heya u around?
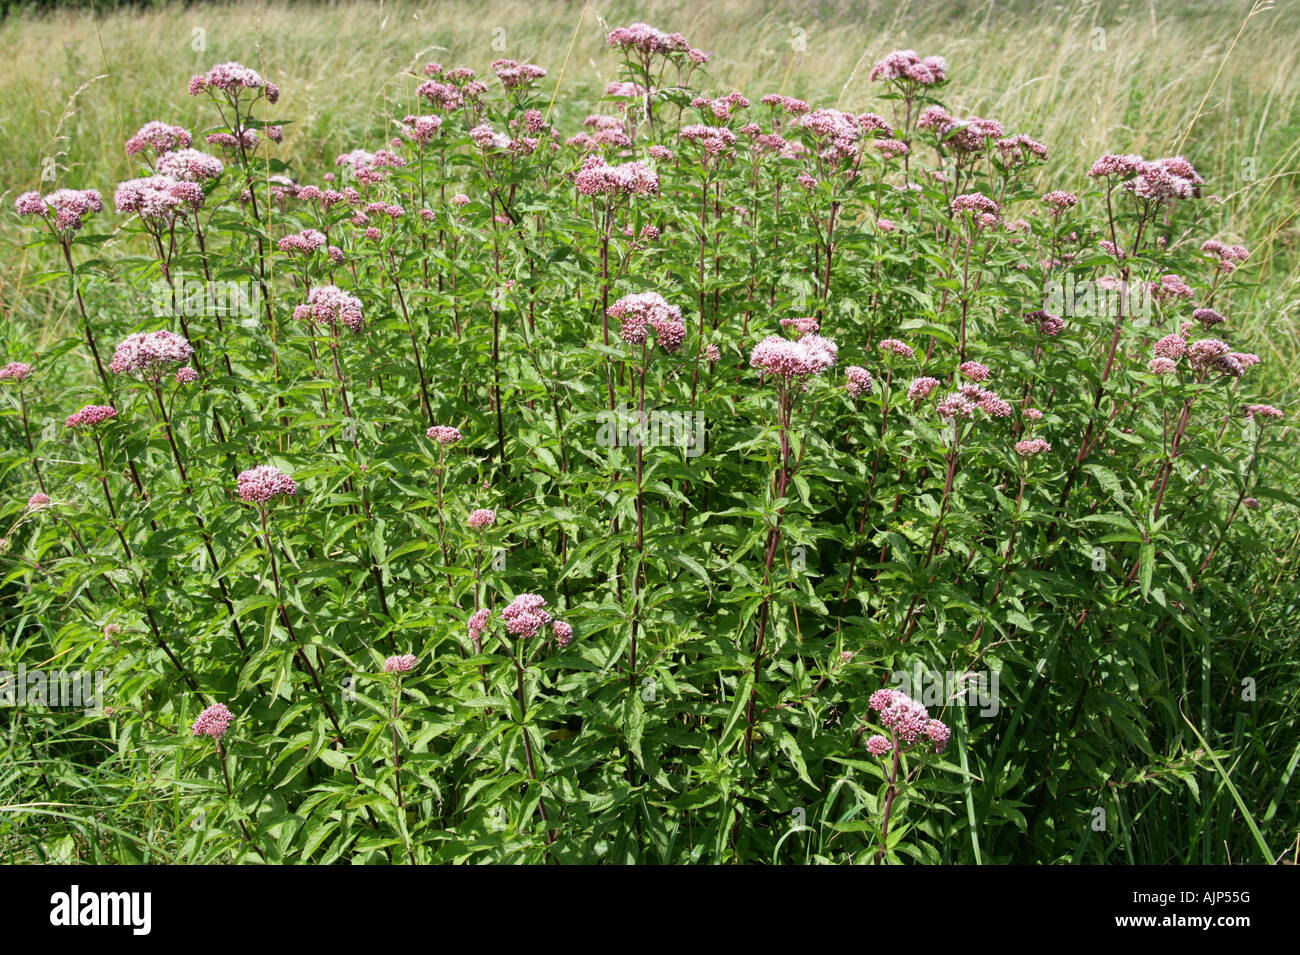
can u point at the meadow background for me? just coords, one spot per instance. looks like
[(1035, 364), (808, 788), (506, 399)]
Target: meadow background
[(1217, 82)]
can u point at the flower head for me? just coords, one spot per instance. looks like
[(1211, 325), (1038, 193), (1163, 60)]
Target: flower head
[(147, 353), (213, 721), (482, 519), (90, 416), (404, 663), (260, 484), (16, 371), (525, 616)]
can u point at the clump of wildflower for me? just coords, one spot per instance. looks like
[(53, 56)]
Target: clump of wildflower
[(1262, 411), (160, 137), (1171, 346), (158, 200), (147, 353), (859, 380), (213, 722), (598, 178), (307, 241), (403, 663), (524, 616), (38, 500), (16, 371), (639, 313), (562, 632), (190, 165), (1161, 366), (892, 346), (975, 203), (260, 484), (478, 622), (186, 375), (232, 78), (906, 718), (445, 435), (514, 75), (781, 357), (328, 305), (974, 371), (878, 745), (920, 388), (421, 129), (482, 518), (90, 416), (1058, 200), (1208, 317), (68, 206), (906, 67), (1029, 447)]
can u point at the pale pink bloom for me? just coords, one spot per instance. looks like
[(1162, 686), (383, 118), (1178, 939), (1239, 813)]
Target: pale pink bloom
[(160, 137), (974, 371), (146, 353), (878, 745), (186, 375), (260, 484), (859, 380), (1031, 447), (524, 616), (1263, 411), (1171, 346), (478, 621), (482, 519), (1161, 366), (920, 388), (16, 371), (562, 631), (404, 663), (214, 721), (892, 346), (190, 165), (444, 435)]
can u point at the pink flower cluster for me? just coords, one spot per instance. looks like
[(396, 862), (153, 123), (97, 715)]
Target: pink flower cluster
[(444, 434), (190, 165), (214, 721), (525, 616), (562, 632), (421, 129), (70, 206), (306, 241), (974, 371), (1263, 411), (714, 140), (482, 519), (920, 388), (160, 137), (232, 78), (968, 399), (38, 500), (646, 40), (90, 416), (186, 375), (514, 75), (403, 663), (328, 305), (1032, 446), (964, 136), (159, 200), (147, 353), (258, 485), (641, 312), (1228, 255), (907, 719), (478, 622), (16, 371), (783, 358), (598, 178), (906, 67), (892, 346), (859, 380)]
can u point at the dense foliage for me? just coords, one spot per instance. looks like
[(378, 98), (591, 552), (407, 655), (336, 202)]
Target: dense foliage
[(517, 494)]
